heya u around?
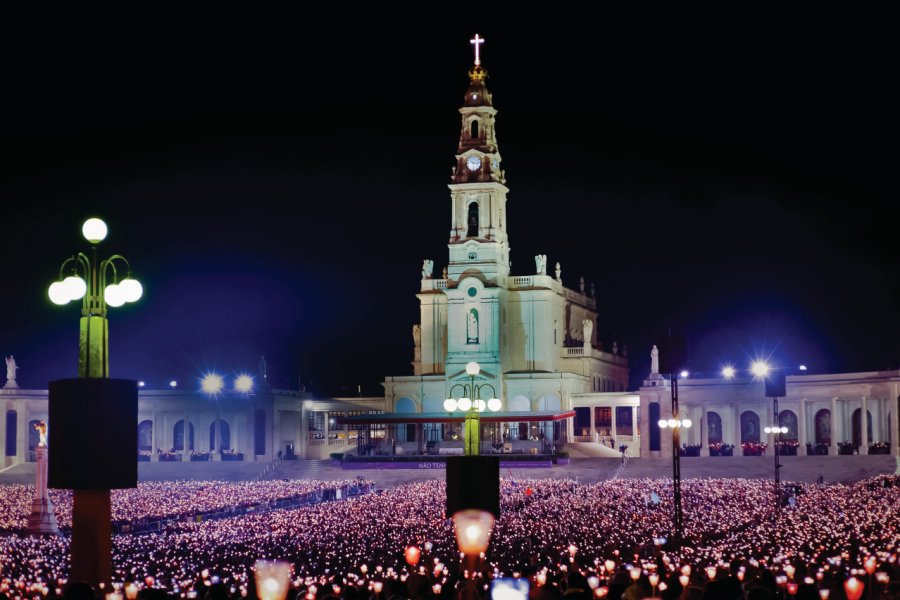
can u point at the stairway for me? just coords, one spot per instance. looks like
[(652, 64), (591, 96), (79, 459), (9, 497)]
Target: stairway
[(590, 450)]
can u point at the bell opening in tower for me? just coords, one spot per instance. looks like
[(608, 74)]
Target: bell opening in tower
[(473, 220), (474, 135)]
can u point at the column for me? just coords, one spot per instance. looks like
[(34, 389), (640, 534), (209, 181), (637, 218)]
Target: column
[(21, 433), (736, 429), (864, 425), (155, 437), (592, 431), (303, 442), (186, 437), (832, 448), (801, 427), (634, 422), (704, 431), (613, 431)]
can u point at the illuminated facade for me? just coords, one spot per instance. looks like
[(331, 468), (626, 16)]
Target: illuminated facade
[(534, 339)]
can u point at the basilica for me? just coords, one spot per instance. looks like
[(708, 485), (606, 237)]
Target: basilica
[(546, 385)]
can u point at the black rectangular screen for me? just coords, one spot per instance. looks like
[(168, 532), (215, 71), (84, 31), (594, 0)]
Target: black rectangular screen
[(92, 434), (473, 482)]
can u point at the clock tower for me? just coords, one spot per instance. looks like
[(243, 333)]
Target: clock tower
[(478, 240)]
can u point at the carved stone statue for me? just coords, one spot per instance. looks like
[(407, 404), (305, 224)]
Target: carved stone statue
[(445, 272), (593, 290), (558, 273), (615, 348), (472, 327), (11, 368), (540, 264), (41, 428), (587, 327), (427, 268), (417, 335), (581, 283), (654, 360)]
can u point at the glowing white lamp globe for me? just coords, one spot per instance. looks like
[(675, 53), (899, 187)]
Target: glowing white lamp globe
[(672, 423), (58, 293), (75, 287), (94, 230), (784, 430), (480, 405), (450, 405), (728, 372), (132, 289), (768, 430), (473, 369), (494, 404), (114, 296), (464, 404), (662, 423), (687, 423)]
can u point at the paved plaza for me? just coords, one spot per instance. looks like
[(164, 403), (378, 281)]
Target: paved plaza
[(844, 469)]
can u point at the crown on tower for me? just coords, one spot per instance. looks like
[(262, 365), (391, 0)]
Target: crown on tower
[(477, 74)]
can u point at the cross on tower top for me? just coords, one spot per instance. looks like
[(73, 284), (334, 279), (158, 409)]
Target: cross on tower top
[(477, 41)]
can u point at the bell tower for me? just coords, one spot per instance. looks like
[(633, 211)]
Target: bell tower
[(478, 241)]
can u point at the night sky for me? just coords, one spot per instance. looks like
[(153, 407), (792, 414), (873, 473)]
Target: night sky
[(276, 183)]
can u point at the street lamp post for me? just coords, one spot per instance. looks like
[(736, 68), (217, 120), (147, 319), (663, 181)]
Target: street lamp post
[(473, 405), (676, 423), (98, 285)]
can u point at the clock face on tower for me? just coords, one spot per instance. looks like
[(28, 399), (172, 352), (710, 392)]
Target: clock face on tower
[(473, 162)]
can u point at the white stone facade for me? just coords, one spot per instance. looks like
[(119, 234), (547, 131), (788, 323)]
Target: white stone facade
[(527, 332)]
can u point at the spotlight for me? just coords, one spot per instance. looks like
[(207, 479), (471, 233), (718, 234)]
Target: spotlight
[(212, 383), (728, 372), (760, 368)]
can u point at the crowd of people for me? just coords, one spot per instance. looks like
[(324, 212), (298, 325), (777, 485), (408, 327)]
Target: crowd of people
[(164, 500), (610, 539)]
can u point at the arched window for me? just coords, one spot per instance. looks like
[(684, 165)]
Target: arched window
[(749, 427), (788, 419), (178, 436), (225, 435), (823, 426), (474, 135), (857, 427), (473, 220), (145, 435), (714, 427)]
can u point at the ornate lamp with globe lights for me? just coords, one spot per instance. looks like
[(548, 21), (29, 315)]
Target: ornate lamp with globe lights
[(473, 405), (98, 284)]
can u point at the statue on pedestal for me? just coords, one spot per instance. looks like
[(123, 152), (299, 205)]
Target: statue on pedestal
[(427, 268), (558, 273), (417, 335), (11, 368), (540, 264), (581, 284), (41, 428), (654, 360), (587, 327)]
